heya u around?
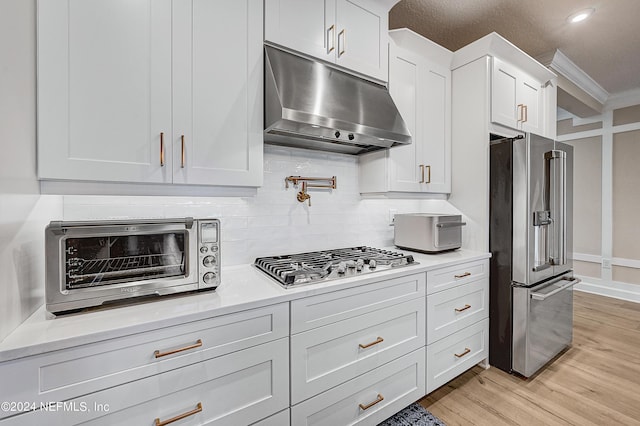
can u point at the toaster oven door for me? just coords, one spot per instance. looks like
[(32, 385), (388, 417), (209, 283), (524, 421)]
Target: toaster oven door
[(91, 263)]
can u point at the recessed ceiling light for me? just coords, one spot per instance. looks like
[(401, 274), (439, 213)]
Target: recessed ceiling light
[(581, 15)]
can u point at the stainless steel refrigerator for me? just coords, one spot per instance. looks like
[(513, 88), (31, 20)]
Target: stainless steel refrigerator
[(530, 238)]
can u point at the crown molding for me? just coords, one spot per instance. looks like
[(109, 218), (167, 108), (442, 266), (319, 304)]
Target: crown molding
[(562, 64), (623, 99)]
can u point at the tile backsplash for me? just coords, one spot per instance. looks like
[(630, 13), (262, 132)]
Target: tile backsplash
[(273, 221)]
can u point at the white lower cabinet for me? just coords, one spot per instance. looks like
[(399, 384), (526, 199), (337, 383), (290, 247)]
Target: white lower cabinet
[(455, 354), (330, 355), (279, 419), (457, 320), (226, 370), (369, 398)]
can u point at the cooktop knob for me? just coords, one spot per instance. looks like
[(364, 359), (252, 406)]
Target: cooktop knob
[(372, 264), (209, 261), (209, 277), (342, 268), (359, 264), (351, 264)]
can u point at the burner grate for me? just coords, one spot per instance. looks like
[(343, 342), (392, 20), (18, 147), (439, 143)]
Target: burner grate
[(315, 266)]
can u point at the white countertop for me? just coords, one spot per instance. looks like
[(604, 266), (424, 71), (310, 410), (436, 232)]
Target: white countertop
[(243, 287)]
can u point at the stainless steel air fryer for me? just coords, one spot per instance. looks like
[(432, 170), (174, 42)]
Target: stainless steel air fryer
[(428, 232)]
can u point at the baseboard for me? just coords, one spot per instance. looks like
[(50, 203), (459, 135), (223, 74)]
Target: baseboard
[(615, 289)]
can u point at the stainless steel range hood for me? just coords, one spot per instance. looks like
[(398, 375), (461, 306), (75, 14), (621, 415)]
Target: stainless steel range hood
[(311, 105)]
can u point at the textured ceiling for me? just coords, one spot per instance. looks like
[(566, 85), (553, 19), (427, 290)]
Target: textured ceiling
[(605, 46)]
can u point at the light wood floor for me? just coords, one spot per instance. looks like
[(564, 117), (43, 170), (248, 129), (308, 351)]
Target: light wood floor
[(595, 382)]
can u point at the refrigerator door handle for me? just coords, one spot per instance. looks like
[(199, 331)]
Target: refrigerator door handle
[(557, 202), (544, 296)]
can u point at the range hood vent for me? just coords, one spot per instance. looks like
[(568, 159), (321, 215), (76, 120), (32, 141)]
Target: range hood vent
[(311, 105)]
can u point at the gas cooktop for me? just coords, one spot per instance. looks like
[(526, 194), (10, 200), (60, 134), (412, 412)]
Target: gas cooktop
[(313, 267)]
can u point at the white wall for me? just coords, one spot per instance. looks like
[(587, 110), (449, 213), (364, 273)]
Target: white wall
[(274, 222), (23, 211)]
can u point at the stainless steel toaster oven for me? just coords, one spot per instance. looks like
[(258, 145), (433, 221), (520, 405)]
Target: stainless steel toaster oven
[(428, 232), (91, 263)]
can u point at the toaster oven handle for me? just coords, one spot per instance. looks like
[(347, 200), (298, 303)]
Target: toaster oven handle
[(450, 224)]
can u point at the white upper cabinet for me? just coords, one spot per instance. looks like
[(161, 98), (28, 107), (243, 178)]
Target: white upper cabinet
[(420, 85), (217, 92), (151, 91), (104, 90), (522, 92), (349, 33), (516, 99)]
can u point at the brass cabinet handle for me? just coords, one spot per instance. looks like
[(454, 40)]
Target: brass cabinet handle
[(520, 112), (526, 113), (179, 416), (161, 149), (342, 33), (463, 309), (466, 351), (428, 174), (379, 399), (375, 342), (182, 160), (159, 354), (331, 37), (422, 172), (466, 274)]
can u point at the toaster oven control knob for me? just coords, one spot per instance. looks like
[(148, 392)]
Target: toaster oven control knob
[(203, 249), (209, 277), (209, 261), (337, 133), (350, 136)]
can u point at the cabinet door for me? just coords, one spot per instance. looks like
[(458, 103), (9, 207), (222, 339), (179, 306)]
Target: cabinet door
[(504, 95), (435, 118), (217, 92), (361, 38), (404, 86), (530, 94), (104, 90), (307, 26)]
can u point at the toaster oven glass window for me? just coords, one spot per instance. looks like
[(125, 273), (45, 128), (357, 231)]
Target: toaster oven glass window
[(102, 260)]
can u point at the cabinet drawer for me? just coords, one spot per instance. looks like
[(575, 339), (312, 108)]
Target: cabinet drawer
[(395, 385), (280, 419), (316, 311), (453, 355), (68, 373), (451, 310), (442, 279), (234, 389), (330, 355)]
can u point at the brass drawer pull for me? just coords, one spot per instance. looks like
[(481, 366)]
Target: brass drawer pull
[(368, 345), (428, 175), (521, 112), (182, 158), (331, 38), (343, 49), (422, 173), (466, 351), (161, 149), (379, 398), (463, 309), (159, 354), (179, 416), (466, 274)]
